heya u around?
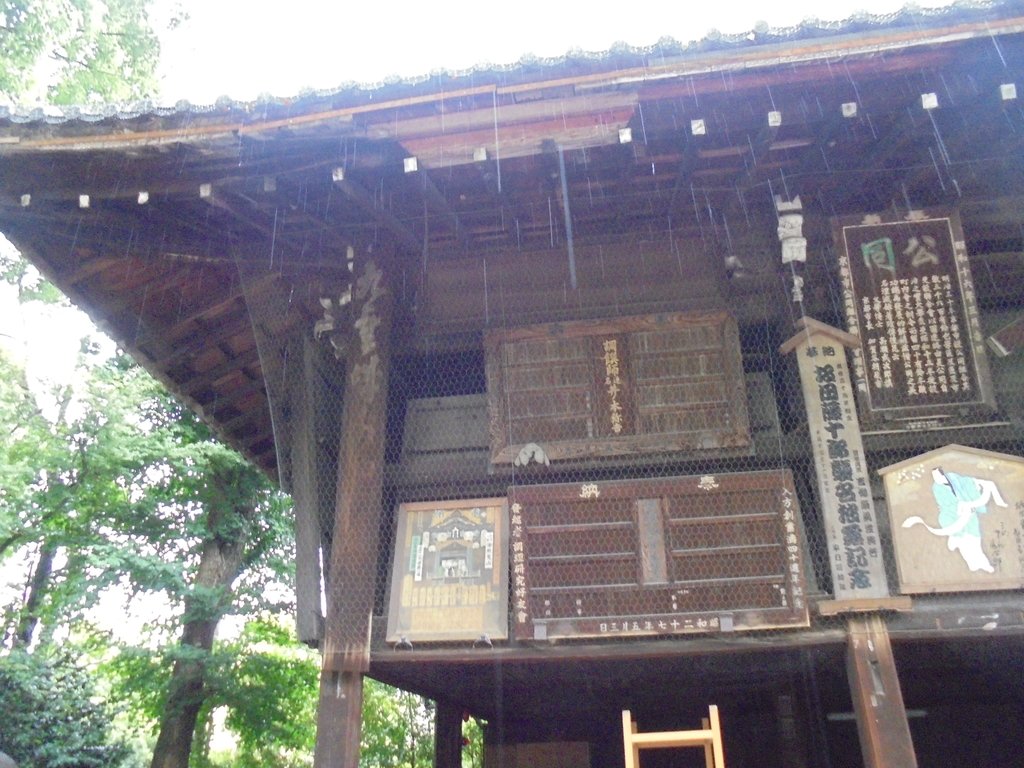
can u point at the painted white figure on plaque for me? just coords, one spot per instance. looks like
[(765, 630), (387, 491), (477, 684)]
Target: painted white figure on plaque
[(961, 500)]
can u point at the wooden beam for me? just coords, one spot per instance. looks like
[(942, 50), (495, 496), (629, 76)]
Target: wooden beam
[(437, 203), (121, 181), (904, 132), (284, 196), (237, 362), (263, 433), (223, 201), (864, 605), (121, 232), (222, 402), (267, 458), (93, 266), (759, 146), (247, 211), (234, 425), (365, 202), (134, 289), (574, 132), (358, 508), (949, 135), (877, 699), (34, 253), (452, 123), (202, 337)]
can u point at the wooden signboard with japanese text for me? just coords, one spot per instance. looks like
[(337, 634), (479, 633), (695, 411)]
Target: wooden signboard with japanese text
[(712, 553), (909, 296), (449, 580), (584, 389), (844, 490), (957, 517)]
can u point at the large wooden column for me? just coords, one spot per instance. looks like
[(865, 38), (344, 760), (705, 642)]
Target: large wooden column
[(353, 564), (306, 500), (877, 699), (792, 740), (447, 736)]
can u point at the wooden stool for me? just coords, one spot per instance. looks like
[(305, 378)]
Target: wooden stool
[(709, 737)]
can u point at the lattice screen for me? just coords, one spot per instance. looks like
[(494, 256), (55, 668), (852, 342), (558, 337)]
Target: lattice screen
[(652, 472)]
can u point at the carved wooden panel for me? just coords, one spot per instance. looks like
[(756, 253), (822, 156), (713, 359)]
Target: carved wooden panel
[(669, 382), (711, 553)]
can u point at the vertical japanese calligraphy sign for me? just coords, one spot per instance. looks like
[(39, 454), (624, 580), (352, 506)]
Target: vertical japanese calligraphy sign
[(844, 491), (449, 580), (909, 297)]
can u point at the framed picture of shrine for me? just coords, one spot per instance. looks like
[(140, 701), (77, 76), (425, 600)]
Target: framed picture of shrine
[(449, 579), (909, 296)]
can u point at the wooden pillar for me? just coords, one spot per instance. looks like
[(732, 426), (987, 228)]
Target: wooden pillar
[(306, 502), (877, 699), (447, 736), (339, 719), (357, 518), (791, 735)]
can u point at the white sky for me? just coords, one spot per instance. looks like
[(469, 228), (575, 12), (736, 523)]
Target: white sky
[(242, 49)]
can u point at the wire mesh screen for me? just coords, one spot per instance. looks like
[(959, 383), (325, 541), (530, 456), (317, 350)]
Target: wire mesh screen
[(615, 361), (654, 472), (604, 364)]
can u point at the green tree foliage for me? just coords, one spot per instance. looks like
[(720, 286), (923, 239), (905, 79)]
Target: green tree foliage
[(19, 416), (51, 718), (264, 680), (91, 494), (85, 50), (124, 489), (472, 744), (398, 728), (127, 487), (272, 696)]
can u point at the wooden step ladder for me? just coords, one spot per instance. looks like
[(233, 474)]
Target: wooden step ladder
[(709, 737)]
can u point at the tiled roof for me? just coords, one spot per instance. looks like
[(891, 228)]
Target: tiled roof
[(620, 55)]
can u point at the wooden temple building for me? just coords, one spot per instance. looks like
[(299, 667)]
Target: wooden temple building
[(650, 380)]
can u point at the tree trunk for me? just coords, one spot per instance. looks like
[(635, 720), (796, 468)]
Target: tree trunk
[(219, 565), (29, 620)]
